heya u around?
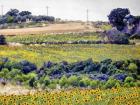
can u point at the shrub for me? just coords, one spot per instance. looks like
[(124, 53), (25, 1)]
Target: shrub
[(44, 80), (110, 83), (120, 77), (63, 81), (132, 67), (94, 84), (25, 66), (9, 65), (4, 73), (129, 79), (116, 37), (52, 86), (84, 82), (102, 77), (2, 40), (73, 80), (12, 74)]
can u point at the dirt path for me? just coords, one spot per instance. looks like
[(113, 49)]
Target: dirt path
[(10, 89), (52, 28)]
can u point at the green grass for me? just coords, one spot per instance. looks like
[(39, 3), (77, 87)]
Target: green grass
[(71, 53), (25, 39)]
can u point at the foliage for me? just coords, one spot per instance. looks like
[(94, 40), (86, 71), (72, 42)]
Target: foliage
[(15, 16), (116, 17), (132, 67), (2, 40), (39, 39)]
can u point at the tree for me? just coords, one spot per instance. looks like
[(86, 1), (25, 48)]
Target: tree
[(25, 13), (116, 17), (13, 12)]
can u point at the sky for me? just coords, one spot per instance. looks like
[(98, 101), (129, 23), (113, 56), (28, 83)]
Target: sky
[(72, 9)]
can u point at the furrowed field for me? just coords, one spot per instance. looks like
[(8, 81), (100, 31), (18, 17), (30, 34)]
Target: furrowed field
[(70, 52)]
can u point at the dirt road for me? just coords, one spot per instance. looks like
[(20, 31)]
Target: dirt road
[(51, 28)]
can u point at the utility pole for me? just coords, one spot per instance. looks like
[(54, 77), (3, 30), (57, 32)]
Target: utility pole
[(87, 11), (1, 10), (47, 10)]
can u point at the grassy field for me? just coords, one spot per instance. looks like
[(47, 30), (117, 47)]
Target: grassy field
[(57, 53), (25, 39), (120, 96)]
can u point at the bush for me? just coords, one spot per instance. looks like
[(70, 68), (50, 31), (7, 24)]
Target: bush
[(120, 77), (111, 83), (102, 77), (4, 73), (84, 82), (129, 79), (64, 82), (13, 73), (73, 80), (2, 40), (52, 86), (25, 66), (94, 84), (9, 65), (132, 67), (116, 37), (44, 80)]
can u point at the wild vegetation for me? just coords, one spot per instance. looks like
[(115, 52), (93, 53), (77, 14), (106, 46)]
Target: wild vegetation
[(14, 17), (71, 53), (104, 74), (40, 39)]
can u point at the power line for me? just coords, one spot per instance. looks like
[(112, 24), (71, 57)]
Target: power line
[(87, 13), (47, 10), (1, 10)]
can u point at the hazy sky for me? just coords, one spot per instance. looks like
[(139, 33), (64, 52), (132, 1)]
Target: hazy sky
[(73, 9)]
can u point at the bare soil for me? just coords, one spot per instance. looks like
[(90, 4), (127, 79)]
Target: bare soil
[(51, 28)]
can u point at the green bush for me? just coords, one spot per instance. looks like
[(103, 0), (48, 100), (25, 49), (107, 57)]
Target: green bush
[(4, 73), (73, 80), (13, 73), (94, 83), (52, 86), (84, 82), (129, 79), (111, 83), (132, 67), (10, 19), (44, 80), (64, 82)]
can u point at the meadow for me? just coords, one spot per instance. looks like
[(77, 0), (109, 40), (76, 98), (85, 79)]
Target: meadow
[(27, 39), (70, 52)]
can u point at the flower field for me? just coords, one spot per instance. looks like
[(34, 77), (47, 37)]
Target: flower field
[(71, 53), (119, 96)]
